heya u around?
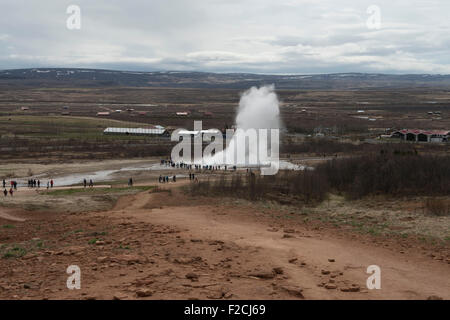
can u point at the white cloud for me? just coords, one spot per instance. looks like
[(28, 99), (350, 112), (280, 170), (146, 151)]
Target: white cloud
[(287, 36)]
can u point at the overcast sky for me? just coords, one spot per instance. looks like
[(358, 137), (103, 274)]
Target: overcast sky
[(283, 36)]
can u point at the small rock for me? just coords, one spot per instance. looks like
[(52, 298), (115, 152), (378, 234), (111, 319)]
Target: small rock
[(330, 286), (228, 295), (72, 250), (191, 276), (292, 260), (294, 291), (433, 297), (120, 296), (331, 260), (144, 293), (278, 270), (102, 259), (215, 295), (129, 259), (263, 274), (351, 289), (325, 272)]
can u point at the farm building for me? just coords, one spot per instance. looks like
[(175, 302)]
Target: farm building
[(196, 133), (102, 114), (156, 131), (422, 135)]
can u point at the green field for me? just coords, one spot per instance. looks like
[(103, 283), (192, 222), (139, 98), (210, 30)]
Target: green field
[(60, 127)]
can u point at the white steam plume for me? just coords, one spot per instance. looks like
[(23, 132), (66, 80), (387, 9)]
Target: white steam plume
[(258, 109)]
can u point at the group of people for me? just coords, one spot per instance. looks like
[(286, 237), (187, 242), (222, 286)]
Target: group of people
[(33, 183), (91, 183), (190, 167), (12, 182), (170, 163), (13, 186), (165, 179)]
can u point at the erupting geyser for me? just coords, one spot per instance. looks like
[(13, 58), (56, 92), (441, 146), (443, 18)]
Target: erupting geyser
[(258, 109)]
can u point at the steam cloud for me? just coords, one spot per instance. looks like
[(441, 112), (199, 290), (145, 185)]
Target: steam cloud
[(258, 109)]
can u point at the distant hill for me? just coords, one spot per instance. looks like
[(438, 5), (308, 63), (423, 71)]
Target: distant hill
[(69, 77)]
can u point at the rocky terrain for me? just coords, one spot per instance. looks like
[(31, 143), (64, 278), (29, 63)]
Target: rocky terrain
[(163, 244)]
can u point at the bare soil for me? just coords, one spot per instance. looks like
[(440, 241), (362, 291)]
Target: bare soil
[(162, 244)]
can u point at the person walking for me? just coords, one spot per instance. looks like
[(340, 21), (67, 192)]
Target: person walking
[(84, 183), (130, 182), (4, 184), (11, 191), (39, 183), (91, 183), (5, 192), (51, 183)]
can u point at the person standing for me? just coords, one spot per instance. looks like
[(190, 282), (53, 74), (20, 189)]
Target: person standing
[(84, 183), (51, 183), (11, 191), (39, 183), (130, 182), (5, 192), (4, 184)]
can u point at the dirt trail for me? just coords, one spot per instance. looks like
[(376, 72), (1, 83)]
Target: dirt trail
[(164, 244), (8, 214), (403, 276)]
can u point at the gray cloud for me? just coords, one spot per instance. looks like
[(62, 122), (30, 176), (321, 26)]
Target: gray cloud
[(286, 36)]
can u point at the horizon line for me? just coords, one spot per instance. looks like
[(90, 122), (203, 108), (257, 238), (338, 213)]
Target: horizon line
[(231, 72)]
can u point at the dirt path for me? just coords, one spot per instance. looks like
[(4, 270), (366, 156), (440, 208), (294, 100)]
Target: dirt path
[(403, 276), (163, 244), (8, 214)]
